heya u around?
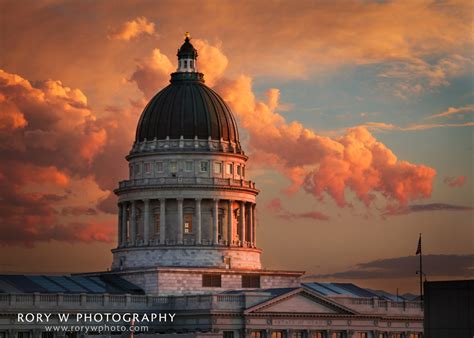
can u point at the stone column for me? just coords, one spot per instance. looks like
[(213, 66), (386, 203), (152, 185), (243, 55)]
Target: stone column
[(180, 220), (162, 221), (119, 227), (215, 216), (146, 221), (242, 223), (250, 214), (198, 221), (254, 223), (230, 219), (133, 223), (124, 223)]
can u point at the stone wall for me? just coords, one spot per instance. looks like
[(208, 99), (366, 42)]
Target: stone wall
[(193, 256)]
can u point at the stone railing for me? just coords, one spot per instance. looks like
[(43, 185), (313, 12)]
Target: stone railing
[(378, 306), (107, 302), (172, 181), (172, 145)]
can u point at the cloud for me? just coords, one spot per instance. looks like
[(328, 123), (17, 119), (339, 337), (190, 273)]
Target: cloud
[(381, 126), (425, 207), (153, 73), (321, 165), (132, 29), (454, 111), (455, 182), (49, 141), (275, 206), (416, 76), (400, 267)]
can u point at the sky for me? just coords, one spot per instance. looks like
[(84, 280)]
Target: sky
[(356, 116)]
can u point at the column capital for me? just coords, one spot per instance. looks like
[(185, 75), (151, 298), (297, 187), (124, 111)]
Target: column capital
[(146, 200), (198, 199), (162, 200), (180, 199)]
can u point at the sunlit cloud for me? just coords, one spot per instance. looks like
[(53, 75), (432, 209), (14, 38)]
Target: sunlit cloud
[(455, 182), (434, 265), (469, 109), (132, 29), (415, 208), (381, 126), (276, 207)]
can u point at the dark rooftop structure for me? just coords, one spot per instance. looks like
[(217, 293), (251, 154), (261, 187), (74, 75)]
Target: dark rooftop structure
[(111, 284)]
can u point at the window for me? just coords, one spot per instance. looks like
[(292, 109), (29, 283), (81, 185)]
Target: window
[(191, 64), (188, 223), (23, 334), (256, 334), (230, 168), (396, 335), (297, 334), (243, 171), (173, 167), (157, 223), (212, 281), (228, 334), (337, 335), (317, 335), (137, 169), (131, 171), (44, 335), (185, 62), (204, 166), (189, 166), (217, 167), (250, 281), (147, 168), (415, 335), (159, 166), (362, 335), (277, 334), (238, 170)]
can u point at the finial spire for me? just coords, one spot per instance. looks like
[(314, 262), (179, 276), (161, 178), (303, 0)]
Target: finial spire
[(187, 56), (187, 36)]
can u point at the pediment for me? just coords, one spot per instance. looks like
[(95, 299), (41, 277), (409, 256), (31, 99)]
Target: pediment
[(299, 301)]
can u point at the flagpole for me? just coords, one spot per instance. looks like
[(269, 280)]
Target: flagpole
[(421, 271)]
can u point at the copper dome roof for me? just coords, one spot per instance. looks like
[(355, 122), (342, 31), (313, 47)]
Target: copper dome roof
[(187, 108)]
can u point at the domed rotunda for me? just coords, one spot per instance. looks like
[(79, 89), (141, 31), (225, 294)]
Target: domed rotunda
[(187, 202)]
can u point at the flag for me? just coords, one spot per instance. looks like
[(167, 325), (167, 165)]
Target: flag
[(418, 249)]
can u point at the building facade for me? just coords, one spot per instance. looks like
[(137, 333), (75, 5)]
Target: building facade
[(187, 242)]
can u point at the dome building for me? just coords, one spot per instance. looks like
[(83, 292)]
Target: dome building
[(187, 247), (187, 203)]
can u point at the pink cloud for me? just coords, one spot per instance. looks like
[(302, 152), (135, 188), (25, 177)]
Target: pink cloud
[(321, 165), (132, 29), (455, 182), (275, 206)]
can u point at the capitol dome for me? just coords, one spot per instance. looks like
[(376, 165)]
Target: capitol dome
[(187, 108), (187, 202)]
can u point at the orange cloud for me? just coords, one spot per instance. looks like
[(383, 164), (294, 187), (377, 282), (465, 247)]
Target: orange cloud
[(454, 111), (455, 182), (132, 29), (153, 73), (275, 206), (321, 165), (50, 138)]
